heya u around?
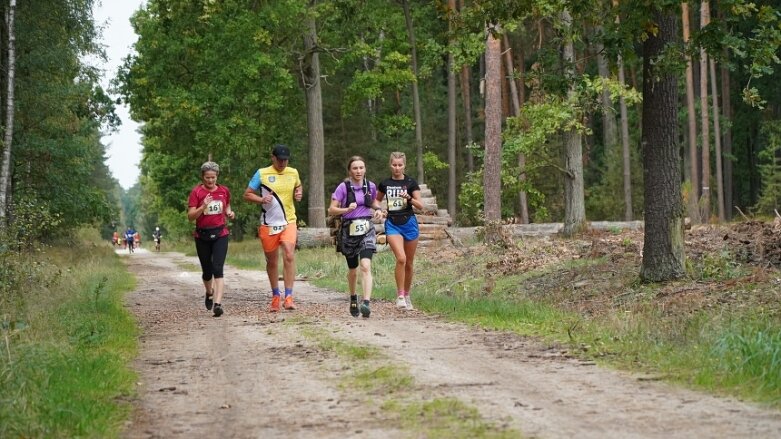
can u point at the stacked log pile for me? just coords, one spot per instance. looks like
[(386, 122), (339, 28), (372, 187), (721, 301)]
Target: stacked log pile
[(432, 220)]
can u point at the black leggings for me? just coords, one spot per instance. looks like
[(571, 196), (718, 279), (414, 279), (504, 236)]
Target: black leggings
[(212, 256), (352, 262)]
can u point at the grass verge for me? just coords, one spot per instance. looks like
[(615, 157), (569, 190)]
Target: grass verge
[(67, 342)]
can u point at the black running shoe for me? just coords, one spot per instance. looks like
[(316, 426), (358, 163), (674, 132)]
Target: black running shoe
[(354, 307), (217, 310), (365, 310), (209, 301)]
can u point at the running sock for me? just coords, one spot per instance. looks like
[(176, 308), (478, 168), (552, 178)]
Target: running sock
[(353, 297), (366, 301), (404, 293), (275, 291), (288, 292), (400, 293)]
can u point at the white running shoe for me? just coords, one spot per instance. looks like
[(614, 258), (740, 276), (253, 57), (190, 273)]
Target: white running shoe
[(401, 303), (408, 302)]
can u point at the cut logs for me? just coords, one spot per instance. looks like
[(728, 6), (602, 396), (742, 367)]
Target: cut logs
[(432, 220)]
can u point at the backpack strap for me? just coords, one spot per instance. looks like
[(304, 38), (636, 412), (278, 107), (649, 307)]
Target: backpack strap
[(350, 194), (367, 196)]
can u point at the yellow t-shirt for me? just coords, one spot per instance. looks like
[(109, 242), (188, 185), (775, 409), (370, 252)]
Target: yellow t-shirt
[(281, 210)]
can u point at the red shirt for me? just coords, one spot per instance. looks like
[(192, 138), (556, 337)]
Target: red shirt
[(214, 215)]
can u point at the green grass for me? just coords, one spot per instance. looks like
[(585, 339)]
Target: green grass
[(751, 356), (64, 365), (384, 380), (445, 418), (328, 343)]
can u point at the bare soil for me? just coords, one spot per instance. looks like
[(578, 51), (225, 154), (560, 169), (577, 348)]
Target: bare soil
[(251, 374)]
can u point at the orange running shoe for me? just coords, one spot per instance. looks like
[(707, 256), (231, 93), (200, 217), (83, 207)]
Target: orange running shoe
[(289, 303), (274, 304)]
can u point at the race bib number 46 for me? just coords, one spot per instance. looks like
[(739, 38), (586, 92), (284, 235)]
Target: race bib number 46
[(359, 227), (213, 208), (397, 203)]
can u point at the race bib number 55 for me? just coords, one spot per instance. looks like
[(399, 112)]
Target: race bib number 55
[(359, 227)]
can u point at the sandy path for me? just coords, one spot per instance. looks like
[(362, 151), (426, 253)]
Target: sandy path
[(250, 374)]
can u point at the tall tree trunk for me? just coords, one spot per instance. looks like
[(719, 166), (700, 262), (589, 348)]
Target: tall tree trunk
[(314, 119), (368, 65), (726, 109), (574, 196), (625, 151), (452, 193), (492, 173), (523, 200), (415, 94), (691, 112), (516, 104), (663, 251), (705, 201), (609, 126), (466, 97), (5, 173), (717, 140)]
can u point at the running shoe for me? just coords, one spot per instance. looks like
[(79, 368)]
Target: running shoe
[(401, 303), (289, 305), (274, 304), (209, 301), (354, 307), (365, 310), (408, 301), (217, 310)]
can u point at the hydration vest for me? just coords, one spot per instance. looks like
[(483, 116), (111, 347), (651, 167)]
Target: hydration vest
[(367, 196)]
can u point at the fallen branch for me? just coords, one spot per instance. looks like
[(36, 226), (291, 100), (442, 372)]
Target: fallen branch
[(742, 214)]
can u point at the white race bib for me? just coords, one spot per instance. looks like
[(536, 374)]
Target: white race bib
[(213, 208), (276, 230), (359, 227), (397, 203)]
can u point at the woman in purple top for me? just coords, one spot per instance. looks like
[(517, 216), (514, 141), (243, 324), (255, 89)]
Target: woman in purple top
[(355, 201)]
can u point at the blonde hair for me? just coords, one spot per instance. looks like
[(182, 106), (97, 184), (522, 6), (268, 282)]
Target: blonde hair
[(398, 155)]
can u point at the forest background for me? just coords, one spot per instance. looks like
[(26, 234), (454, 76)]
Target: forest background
[(524, 110), (535, 111)]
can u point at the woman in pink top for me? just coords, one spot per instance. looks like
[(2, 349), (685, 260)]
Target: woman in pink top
[(209, 206)]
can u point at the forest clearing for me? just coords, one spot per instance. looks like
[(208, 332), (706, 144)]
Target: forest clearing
[(317, 372)]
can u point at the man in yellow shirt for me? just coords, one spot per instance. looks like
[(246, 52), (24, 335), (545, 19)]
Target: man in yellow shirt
[(275, 188)]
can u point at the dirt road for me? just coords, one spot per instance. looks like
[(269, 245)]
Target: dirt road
[(250, 374)]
